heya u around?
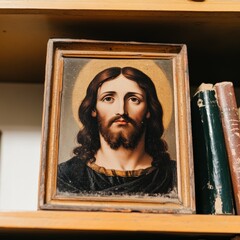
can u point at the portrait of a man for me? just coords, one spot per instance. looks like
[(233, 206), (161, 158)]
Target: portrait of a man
[(120, 146), (116, 128)]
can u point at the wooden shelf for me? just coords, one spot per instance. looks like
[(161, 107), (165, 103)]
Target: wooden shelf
[(153, 5), (120, 222)]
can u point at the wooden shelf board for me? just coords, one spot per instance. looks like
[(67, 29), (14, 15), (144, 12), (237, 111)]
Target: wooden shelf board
[(154, 5), (130, 222)]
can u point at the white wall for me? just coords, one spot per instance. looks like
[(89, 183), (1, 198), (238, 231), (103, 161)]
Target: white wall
[(20, 124)]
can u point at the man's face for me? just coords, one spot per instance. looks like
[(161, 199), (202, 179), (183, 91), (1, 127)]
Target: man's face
[(121, 110)]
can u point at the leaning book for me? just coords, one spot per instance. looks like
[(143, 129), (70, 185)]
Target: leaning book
[(231, 128), (212, 176)]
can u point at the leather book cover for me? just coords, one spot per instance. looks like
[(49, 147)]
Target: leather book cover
[(231, 127), (212, 176)]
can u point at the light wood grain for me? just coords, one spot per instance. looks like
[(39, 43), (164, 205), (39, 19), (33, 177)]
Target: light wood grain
[(153, 5), (102, 221)]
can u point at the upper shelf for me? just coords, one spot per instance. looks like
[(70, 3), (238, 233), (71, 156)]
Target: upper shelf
[(134, 5), (210, 29)]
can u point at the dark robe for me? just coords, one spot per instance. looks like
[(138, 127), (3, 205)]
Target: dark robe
[(76, 176)]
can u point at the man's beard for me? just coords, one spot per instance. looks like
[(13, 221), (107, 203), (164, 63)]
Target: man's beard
[(128, 137)]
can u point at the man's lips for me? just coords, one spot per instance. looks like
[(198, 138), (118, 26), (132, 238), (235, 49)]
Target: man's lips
[(121, 121)]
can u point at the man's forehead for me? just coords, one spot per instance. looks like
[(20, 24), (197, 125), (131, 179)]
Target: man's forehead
[(120, 84)]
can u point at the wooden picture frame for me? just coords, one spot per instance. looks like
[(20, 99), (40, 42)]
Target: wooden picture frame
[(71, 65)]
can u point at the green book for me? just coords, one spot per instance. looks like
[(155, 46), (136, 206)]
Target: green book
[(212, 176)]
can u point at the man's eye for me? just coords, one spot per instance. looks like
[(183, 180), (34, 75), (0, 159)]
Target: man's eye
[(108, 99), (135, 100)]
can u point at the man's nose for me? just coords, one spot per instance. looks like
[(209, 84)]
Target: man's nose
[(122, 107)]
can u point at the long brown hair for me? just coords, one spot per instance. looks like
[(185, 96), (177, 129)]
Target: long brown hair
[(88, 136)]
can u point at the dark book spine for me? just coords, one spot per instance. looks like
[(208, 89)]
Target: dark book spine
[(231, 127), (212, 176)]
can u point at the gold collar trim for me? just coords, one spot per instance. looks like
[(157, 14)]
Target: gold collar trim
[(120, 173)]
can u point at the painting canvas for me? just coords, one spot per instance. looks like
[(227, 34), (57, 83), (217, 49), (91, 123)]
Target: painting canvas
[(116, 128)]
